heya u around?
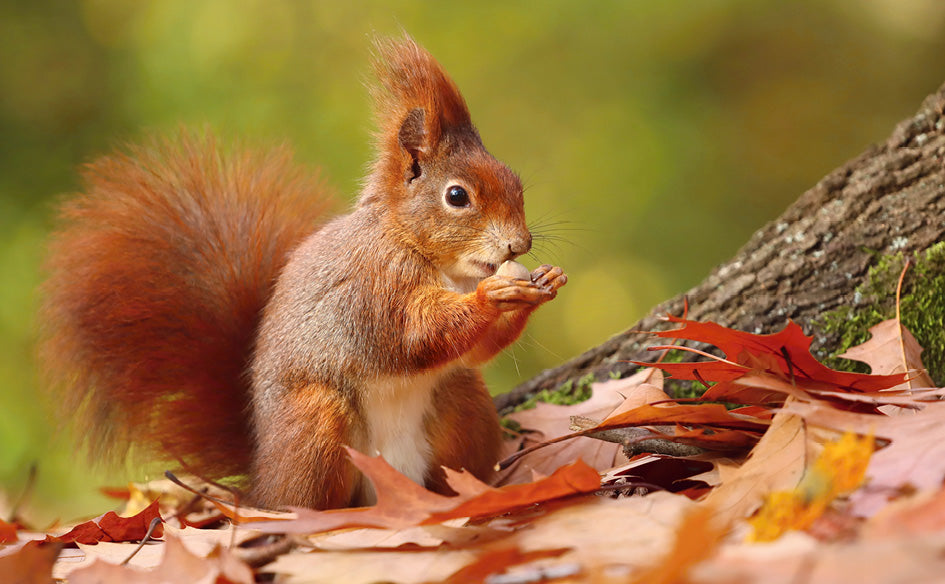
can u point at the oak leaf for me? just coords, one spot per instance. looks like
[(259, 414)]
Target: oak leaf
[(777, 462), (548, 421), (31, 564), (838, 470), (177, 565), (401, 503), (914, 459), (785, 354), (892, 349)]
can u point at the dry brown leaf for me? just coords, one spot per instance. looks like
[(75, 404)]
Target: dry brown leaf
[(670, 473), (777, 462), (784, 354), (797, 557), (401, 503), (111, 527), (455, 533), (643, 387), (922, 512), (178, 564), (714, 415), (762, 382), (7, 532), (546, 421), (368, 567), (892, 349), (608, 536), (573, 479), (697, 539), (603, 534), (31, 564), (497, 561), (197, 541), (914, 458)]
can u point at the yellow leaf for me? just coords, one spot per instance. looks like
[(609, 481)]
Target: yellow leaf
[(839, 469)]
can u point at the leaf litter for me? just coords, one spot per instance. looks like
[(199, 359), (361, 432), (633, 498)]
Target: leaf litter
[(819, 474)]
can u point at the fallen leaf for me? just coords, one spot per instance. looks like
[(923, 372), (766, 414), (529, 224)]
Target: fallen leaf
[(892, 349), (776, 463), (198, 541), (915, 457), (7, 532), (666, 472), (357, 566), (497, 561), (401, 503), (714, 415), (177, 565), (923, 512), (573, 479), (837, 470), (112, 527), (697, 539), (31, 564), (785, 354), (609, 536), (547, 421), (798, 557)]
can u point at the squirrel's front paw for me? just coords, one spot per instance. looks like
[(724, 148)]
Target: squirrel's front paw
[(508, 294), (549, 278)]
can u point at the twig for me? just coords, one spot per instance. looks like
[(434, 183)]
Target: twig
[(147, 536)]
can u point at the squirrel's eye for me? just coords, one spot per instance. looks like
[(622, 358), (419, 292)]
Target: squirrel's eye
[(457, 196)]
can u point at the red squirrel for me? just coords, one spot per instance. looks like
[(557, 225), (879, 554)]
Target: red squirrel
[(199, 305)]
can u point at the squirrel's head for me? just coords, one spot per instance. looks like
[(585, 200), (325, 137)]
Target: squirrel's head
[(449, 198)]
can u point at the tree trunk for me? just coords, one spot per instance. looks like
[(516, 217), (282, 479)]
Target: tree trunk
[(809, 260)]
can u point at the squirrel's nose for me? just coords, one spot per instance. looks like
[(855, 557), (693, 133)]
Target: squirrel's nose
[(519, 245)]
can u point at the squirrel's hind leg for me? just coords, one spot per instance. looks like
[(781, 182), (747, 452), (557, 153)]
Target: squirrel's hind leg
[(299, 459), (464, 429)]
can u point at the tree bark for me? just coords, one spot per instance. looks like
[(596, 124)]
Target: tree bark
[(809, 260)]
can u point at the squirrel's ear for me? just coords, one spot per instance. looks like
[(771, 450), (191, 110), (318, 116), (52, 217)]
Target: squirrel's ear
[(413, 135), (415, 102)]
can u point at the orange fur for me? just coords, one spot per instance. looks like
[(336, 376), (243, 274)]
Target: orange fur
[(156, 279), (464, 433), (306, 465), (193, 306)]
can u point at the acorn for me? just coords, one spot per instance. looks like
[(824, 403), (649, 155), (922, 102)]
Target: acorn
[(514, 270)]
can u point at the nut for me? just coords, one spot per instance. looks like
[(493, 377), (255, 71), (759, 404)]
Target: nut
[(514, 270)]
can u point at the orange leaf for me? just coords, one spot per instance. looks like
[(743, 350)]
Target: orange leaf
[(111, 527), (7, 532), (32, 564), (497, 561), (785, 354), (573, 479), (402, 503), (703, 414), (697, 538)]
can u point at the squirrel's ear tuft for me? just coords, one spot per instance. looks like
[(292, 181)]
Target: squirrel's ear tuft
[(409, 79)]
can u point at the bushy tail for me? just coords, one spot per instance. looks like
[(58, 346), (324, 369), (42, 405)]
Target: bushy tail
[(156, 281)]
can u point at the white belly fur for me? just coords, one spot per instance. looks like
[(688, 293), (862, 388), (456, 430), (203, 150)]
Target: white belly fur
[(395, 409)]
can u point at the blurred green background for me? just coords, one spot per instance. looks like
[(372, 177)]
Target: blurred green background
[(656, 135)]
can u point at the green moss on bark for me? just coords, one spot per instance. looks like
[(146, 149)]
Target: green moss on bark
[(922, 309)]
